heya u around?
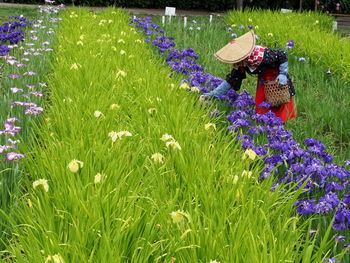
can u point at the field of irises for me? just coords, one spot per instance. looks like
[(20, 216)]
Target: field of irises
[(26, 54), (110, 154)]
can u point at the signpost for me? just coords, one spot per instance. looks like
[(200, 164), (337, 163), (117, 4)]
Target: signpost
[(335, 25), (283, 10), (170, 11)]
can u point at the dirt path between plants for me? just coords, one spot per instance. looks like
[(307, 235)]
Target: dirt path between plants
[(135, 11)]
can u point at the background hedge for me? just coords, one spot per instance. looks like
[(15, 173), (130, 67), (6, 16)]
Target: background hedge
[(212, 5)]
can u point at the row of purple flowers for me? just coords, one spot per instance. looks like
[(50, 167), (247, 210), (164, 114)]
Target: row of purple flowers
[(309, 165), (12, 33), (25, 45)]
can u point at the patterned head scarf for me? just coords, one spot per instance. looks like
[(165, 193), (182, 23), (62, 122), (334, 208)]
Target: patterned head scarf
[(255, 58)]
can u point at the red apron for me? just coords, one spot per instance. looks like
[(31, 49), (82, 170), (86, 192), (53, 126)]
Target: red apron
[(285, 111)]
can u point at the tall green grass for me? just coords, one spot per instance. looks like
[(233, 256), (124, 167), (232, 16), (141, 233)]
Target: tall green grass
[(321, 101), (312, 33), (202, 203)]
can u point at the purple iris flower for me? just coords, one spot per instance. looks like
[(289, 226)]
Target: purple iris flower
[(312, 232), (327, 158), (290, 43), (203, 89), (29, 73), (33, 110), (35, 93), (265, 105), (260, 150), (214, 113), (13, 156), (274, 159), (314, 167), (314, 145), (267, 172), (23, 104), (235, 115), (241, 123), (14, 76), (244, 100), (327, 203), (10, 129), (339, 238), (3, 148), (12, 120), (30, 86), (333, 186), (15, 90), (305, 207), (331, 260), (341, 218), (334, 170), (253, 130)]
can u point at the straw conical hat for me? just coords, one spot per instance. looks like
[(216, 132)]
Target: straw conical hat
[(238, 49)]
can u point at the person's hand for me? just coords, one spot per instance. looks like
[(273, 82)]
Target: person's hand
[(282, 79), (202, 97), (219, 91)]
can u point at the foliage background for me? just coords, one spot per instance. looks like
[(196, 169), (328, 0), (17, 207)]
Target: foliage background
[(213, 5)]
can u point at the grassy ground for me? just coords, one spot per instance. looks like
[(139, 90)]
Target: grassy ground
[(27, 12), (106, 197)]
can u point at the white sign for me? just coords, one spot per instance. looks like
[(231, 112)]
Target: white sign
[(335, 25), (286, 10), (170, 11)]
